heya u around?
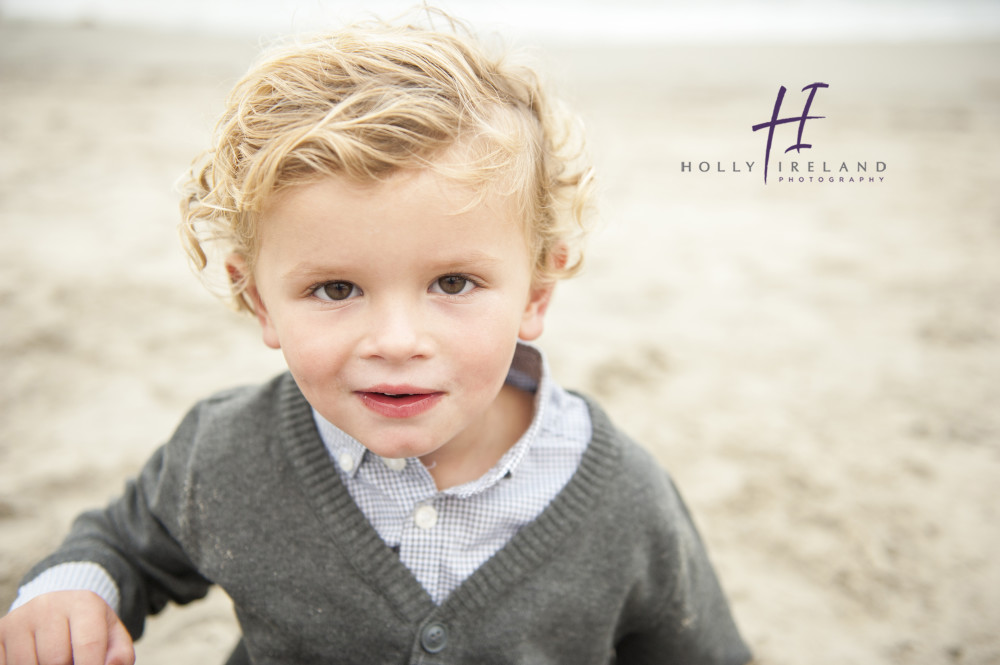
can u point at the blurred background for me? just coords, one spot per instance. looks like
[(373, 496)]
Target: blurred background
[(816, 363), (587, 21)]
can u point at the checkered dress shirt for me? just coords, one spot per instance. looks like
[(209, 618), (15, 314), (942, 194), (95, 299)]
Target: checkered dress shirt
[(443, 536)]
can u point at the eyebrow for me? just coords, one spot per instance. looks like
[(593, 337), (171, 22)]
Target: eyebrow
[(467, 261)]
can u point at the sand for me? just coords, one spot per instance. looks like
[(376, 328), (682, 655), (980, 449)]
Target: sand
[(817, 364)]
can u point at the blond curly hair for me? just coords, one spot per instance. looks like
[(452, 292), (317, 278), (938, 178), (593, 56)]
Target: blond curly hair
[(376, 98)]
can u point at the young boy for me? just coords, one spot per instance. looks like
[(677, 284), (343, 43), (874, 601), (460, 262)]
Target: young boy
[(396, 207)]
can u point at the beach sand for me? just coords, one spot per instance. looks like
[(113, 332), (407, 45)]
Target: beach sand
[(816, 364)]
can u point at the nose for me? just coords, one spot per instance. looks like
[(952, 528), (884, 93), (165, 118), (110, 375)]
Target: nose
[(396, 331)]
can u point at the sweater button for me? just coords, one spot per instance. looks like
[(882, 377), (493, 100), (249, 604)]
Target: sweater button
[(434, 638)]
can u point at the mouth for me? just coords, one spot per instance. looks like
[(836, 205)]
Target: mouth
[(399, 401)]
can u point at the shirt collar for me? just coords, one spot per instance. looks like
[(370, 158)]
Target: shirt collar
[(528, 371)]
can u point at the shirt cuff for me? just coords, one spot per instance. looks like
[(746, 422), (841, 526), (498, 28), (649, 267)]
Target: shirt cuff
[(73, 576)]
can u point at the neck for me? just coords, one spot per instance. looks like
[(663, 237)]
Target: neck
[(473, 453)]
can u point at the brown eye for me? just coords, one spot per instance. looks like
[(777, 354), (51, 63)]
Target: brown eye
[(453, 284), (335, 291)]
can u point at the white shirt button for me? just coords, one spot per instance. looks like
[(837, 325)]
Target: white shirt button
[(425, 517), (346, 462), (394, 464)]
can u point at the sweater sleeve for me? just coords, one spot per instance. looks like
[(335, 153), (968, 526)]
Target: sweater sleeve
[(137, 539), (685, 617)]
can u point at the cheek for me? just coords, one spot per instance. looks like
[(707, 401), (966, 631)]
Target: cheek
[(310, 353), (484, 352)]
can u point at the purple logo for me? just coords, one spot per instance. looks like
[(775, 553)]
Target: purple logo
[(775, 121)]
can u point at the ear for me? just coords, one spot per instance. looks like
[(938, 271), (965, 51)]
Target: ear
[(236, 267), (533, 319)]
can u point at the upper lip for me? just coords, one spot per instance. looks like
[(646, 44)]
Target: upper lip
[(398, 389)]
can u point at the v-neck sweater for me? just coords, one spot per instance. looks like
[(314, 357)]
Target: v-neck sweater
[(245, 496)]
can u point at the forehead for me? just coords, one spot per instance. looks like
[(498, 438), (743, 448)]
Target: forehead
[(423, 192), (403, 218)]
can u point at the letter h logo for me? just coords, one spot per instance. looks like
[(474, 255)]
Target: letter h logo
[(775, 121)]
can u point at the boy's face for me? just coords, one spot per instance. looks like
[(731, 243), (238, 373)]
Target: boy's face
[(398, 315)]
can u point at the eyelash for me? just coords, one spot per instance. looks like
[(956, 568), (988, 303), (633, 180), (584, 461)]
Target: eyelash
[(315, 289)]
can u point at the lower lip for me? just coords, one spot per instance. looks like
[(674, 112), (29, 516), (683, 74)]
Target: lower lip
[(399, 407)]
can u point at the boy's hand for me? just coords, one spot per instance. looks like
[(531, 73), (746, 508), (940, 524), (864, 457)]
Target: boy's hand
[(65, 627)]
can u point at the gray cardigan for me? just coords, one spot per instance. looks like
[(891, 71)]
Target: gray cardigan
[(244, 495)]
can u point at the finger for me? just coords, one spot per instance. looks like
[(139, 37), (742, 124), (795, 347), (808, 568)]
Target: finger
[(89, 637), (52, 645), (21, 650), (120, 648)]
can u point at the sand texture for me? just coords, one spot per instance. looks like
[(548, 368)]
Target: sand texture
[(817, 364)]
